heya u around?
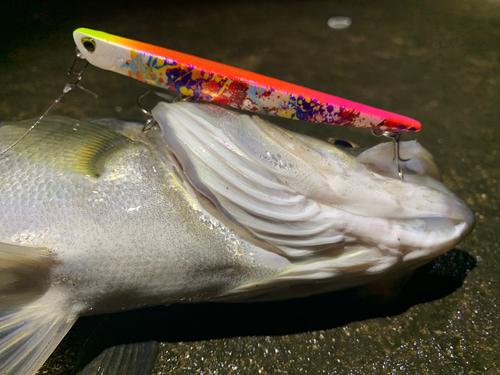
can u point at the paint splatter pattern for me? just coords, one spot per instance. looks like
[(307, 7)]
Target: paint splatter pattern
[(243, 94)]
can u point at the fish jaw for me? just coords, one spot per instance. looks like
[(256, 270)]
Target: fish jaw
[(314, 201)]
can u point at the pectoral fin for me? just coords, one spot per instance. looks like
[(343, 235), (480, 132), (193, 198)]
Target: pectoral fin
[(63, 143)]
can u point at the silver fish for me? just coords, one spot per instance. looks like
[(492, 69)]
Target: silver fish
[(213, 206)]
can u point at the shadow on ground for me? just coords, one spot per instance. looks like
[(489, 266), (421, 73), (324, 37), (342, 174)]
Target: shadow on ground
[(205, 321)]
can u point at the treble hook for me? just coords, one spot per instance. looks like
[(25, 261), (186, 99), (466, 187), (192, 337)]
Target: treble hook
[(394, 137), (151, 122)]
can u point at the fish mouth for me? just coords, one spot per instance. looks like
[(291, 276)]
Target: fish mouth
[(305, 197)]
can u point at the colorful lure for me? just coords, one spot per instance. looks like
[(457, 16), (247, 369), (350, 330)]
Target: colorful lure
[(229, 86)]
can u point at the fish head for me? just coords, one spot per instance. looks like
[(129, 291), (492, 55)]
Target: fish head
[(311, 200)]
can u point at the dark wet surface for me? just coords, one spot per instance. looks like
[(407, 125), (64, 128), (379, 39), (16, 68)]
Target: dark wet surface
[(434, 61)]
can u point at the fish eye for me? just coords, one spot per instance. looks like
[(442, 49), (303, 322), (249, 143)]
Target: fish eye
[(89, 44), (342, 143)]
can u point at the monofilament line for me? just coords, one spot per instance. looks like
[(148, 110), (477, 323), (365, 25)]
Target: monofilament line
[(35, 123), (67, 88)]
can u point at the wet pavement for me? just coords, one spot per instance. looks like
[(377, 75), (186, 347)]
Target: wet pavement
[(434, 61)]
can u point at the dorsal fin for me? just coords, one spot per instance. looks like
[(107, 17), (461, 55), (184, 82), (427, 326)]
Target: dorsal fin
[(63, 143)]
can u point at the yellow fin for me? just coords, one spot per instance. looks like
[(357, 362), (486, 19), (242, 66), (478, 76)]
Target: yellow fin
[(63, 143)]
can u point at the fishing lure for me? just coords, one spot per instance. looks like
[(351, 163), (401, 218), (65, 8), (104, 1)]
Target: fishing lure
[(215, 82)]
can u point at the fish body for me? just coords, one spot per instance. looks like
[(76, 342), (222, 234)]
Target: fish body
[(213, 206)]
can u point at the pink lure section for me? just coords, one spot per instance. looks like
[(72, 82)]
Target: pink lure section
[(237, 88)]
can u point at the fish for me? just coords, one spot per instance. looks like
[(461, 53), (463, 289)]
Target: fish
[(100, 216)]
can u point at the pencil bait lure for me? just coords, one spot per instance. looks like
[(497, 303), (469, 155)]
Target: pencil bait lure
[(215, 82)]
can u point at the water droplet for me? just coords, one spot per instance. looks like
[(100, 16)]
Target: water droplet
[(339, 22)]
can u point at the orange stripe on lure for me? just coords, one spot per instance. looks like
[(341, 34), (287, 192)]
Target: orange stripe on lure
[(229, 86)]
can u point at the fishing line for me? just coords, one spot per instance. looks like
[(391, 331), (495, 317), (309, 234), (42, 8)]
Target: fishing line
[(72, 80)]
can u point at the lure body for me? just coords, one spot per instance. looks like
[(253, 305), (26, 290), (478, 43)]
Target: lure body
[(229, 86)]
